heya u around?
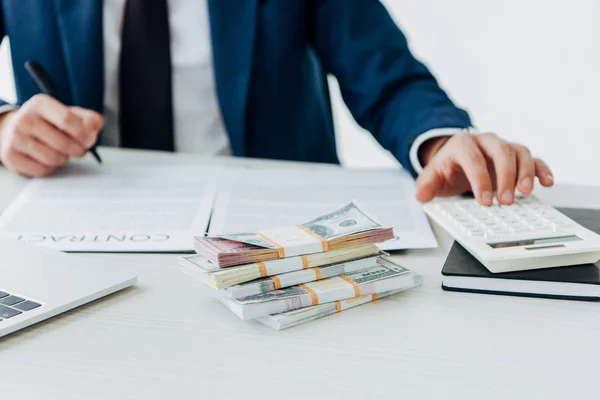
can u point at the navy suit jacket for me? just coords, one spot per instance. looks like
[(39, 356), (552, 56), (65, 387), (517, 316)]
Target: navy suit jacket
[(271, 59)]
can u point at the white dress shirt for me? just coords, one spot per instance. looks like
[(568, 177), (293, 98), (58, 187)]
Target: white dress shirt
[(198, 124)]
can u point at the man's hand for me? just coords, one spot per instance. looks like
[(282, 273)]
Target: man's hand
[(479, 163), (44, 133)]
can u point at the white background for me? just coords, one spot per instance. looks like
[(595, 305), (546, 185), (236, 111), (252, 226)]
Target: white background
[(526, 69)]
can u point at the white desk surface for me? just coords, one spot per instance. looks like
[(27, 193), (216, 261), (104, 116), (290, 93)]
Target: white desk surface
[(165, 339)]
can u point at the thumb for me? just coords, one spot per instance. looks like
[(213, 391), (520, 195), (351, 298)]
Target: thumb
[(428, 183), (90, 118)]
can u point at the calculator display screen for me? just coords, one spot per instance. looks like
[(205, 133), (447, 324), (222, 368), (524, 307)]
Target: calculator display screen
[(531, 242)]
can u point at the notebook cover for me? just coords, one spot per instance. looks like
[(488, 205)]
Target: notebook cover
[(461, 263)]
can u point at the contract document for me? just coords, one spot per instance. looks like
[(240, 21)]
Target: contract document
[(114, 209), (261, 198), (85, 208)]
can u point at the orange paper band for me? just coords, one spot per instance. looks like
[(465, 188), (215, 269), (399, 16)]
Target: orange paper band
[(313, 295), (263, 268), (324, 244), (374, 297), (338, 306), (317, 273), (280, 249), (304, 262), (277, 282), (354, 284)]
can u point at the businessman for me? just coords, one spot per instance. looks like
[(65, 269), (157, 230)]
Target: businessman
[(240, 77)]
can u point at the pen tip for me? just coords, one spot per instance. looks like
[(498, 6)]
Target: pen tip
[(96, 155)]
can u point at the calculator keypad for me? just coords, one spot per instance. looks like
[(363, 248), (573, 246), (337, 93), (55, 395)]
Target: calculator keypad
[(526, 214)]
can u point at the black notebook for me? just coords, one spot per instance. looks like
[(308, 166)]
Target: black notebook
[(463, 273)]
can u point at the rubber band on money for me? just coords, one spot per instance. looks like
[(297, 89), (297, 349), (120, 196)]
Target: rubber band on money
[(338, 306), (304, 262), (324, 244), (263, 268), (317, 273), (276, 281), (280, 249), (354, 284), (313, 295)]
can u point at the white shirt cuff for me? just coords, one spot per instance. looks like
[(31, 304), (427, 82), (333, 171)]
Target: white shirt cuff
[(7, 107), (430, 134)]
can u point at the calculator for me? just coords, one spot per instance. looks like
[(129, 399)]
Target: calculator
[(528, 234)]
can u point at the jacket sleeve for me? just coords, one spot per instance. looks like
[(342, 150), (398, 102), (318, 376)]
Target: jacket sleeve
[(389, 92)]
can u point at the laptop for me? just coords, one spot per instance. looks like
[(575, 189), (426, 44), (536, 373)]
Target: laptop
[(37, 283)]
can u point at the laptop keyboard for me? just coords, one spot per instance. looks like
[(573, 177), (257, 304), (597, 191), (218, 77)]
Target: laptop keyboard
[(11, 305)]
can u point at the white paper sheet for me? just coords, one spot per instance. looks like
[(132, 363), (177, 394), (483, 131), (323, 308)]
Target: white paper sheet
[(115, 209), (160, 208), (267, 198)]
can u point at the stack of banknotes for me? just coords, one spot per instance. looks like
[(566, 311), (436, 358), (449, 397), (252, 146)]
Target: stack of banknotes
[(287, 276)]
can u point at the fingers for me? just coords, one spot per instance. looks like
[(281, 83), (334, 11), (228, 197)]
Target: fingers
[(24, 165), (48, 134), (526, 168), (543, 173), (92, 122), (469, 161), (79, 124), (39, 151), (427, 183), (474, 165), (504, 158), (57, 114)]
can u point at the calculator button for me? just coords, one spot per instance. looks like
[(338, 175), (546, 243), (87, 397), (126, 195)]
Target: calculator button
[(563, 224), (550, 217), (540, 225), (476, 232), (555, 227), (470, 206), (493, 225), (466, 221), (511, 237), (446, 207), (469, 226), (493, 237), (521, 212), (521, 228), (551, 214)]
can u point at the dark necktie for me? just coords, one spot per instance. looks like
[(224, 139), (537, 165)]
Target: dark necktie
[(146, 115)]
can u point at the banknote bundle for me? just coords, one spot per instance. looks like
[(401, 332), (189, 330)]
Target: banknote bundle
[(296, 317), (268, 280), (219, 278), (385, 276), (346, 227)]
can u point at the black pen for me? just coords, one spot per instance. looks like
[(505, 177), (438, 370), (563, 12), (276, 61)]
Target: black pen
[(46, 85)]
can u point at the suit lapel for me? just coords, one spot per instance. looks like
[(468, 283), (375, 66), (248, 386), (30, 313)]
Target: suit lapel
[(80, 27), (233, 29)]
